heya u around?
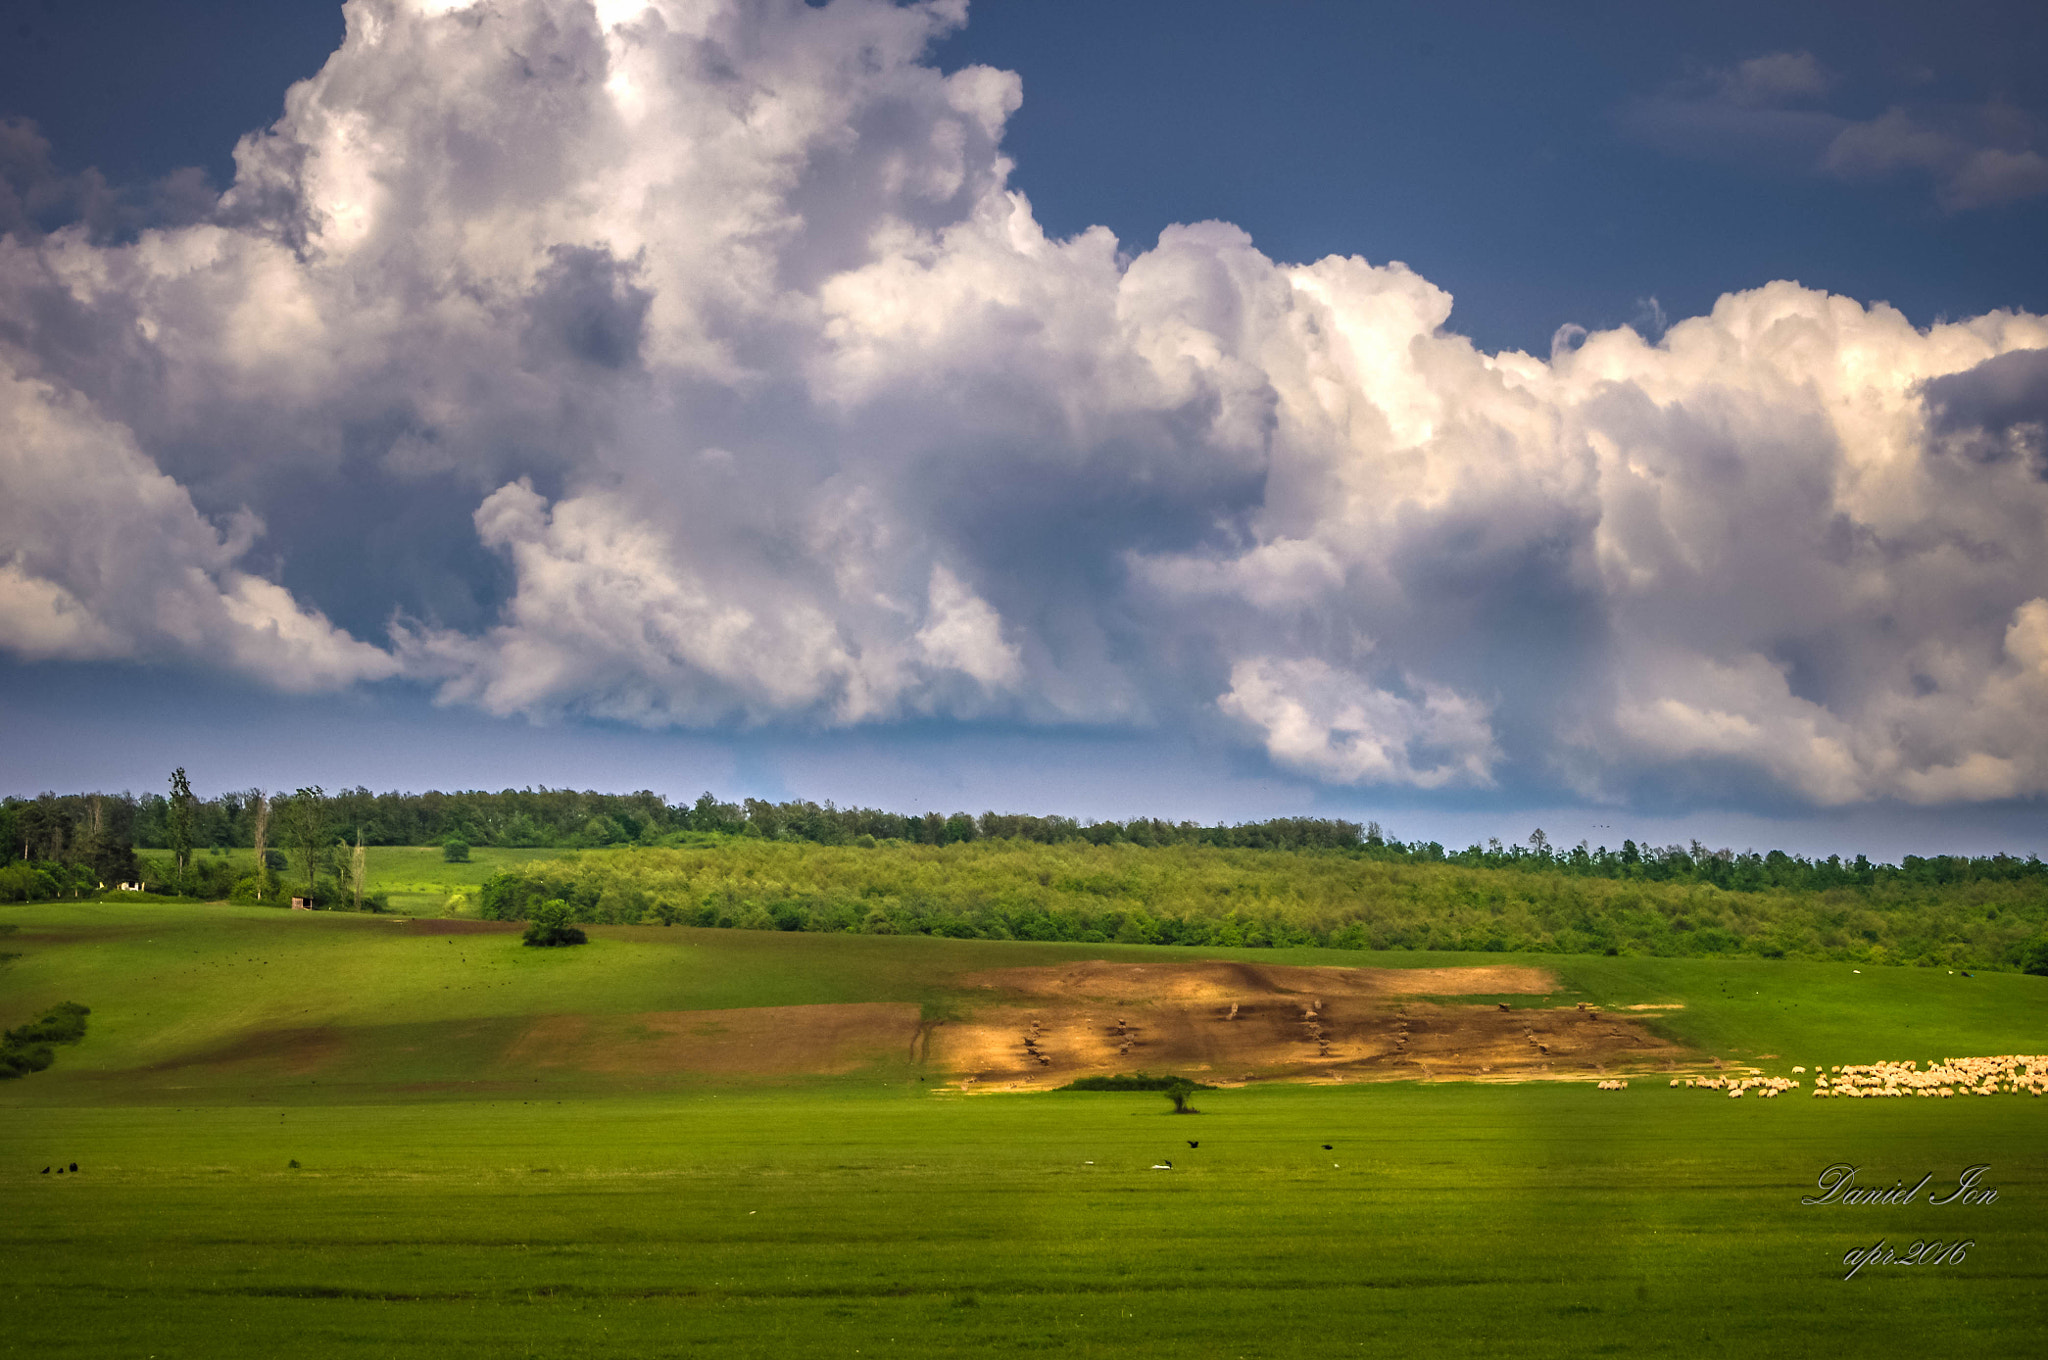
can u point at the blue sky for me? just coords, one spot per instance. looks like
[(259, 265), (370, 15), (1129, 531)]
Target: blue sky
[(575, 397)]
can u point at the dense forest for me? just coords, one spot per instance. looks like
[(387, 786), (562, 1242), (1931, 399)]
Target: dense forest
[(1362, 898), (805, 865)]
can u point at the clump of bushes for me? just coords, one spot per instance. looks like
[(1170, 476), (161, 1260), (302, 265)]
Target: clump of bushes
[(27, 1048), (550, 927)]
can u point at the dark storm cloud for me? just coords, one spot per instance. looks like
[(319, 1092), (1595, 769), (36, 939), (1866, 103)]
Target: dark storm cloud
[(586, 306), (1996, 410)]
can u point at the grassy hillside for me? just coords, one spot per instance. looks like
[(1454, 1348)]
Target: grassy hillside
[(1233, 897), (193, 999), (303, 1132)]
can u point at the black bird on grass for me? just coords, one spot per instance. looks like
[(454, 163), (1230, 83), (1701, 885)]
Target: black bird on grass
[(1194, 1142), (1328, 1146), (74, 1166), (46, 1171)]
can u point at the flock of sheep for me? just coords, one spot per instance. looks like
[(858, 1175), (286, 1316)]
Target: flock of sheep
[(2005, 1074), (1770, 1088)]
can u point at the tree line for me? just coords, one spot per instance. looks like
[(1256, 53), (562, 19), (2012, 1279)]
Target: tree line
[(65, 844)]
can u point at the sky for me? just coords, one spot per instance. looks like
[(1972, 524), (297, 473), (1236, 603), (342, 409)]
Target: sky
[(1471, 418)]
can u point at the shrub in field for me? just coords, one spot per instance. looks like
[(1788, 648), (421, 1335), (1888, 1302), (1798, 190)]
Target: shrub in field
[(61, 1024), (550, 927), (455, 850), (20, 1061), (26, 883), (26, 1048)]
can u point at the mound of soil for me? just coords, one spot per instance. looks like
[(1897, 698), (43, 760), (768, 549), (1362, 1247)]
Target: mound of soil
[(1237, 1022)]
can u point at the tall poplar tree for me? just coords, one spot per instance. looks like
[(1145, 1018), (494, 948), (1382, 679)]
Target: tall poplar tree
[(259, 808), (178, 823)]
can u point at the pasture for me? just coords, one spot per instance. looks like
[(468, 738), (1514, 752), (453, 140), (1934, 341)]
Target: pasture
[(416, 878), (453, 1197)]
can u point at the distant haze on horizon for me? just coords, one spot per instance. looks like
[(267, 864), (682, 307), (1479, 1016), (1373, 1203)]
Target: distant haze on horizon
[(949, 408)]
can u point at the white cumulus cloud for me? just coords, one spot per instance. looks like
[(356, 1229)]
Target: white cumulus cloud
[(701, 363)]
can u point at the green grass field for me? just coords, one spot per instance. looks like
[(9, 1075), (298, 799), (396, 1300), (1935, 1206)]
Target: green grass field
[(448, 1204), (417, 879)]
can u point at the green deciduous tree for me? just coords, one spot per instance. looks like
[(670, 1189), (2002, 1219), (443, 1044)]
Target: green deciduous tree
[(302, 825)]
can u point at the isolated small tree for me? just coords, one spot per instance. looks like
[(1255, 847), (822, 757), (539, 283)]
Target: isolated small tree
[(550, 927), (259, 809), (455, 850), (1178, 1091), (358, 866)]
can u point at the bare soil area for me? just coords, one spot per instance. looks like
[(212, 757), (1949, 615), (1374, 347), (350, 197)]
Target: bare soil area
[(1212, 980), (1233, 1023)]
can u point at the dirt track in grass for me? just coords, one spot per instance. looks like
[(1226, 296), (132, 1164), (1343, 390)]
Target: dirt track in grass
[(1238, 1022), (756, 1041)]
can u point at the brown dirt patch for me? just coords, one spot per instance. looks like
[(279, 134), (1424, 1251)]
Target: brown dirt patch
[(1236, 1022), (762, 1040), (286, 1052)]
